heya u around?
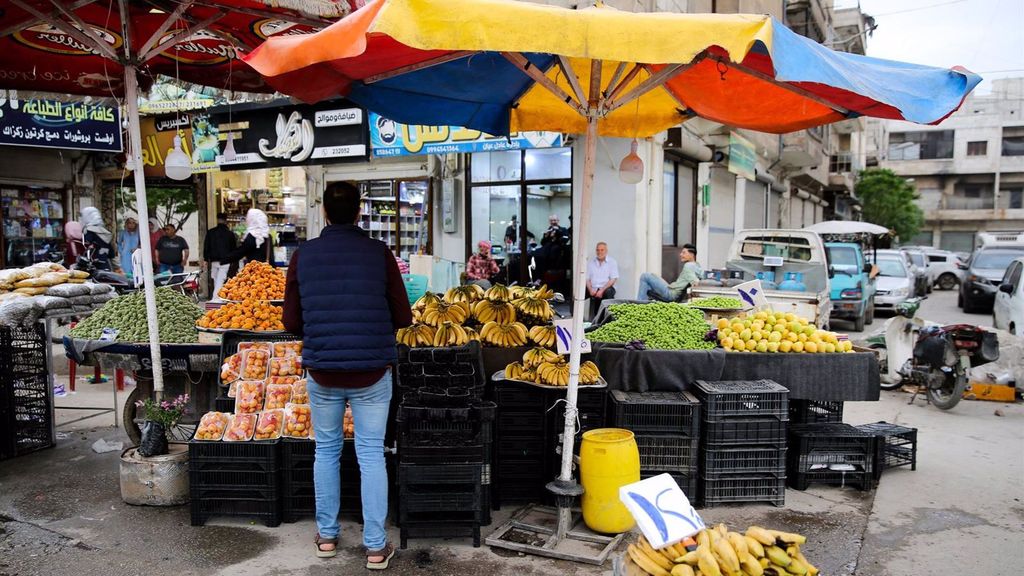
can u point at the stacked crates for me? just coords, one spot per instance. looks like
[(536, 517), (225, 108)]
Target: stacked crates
[(298, 496), (814, 411), (234, 479), (896, 446), (666, 426), (26, 407), (831, 453), (445, 434), (743, 443), (529, 429)]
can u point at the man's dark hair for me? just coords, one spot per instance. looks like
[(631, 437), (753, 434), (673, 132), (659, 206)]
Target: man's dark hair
[(690, 248), (222, 216), (341, 202)]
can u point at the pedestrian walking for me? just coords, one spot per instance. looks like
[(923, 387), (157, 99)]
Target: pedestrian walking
[(219, 243)]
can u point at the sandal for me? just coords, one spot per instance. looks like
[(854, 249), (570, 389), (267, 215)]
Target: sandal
[(320, 541), (388, 552)]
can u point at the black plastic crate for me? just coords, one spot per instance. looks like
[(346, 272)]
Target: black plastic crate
[(520, 422), (666, 412), (430, 426), (744, 431), (667, 453), (741, 488), (261, 504), (513, 395), (896, 445), (459, 366), (479, 453), (812, 445), (299, 501), (814, 411), (743, 459), (520, 481), (204, 480), (224, 404), (428, 525), (742, 398), (234, 455), (521, 447), (863, 481), (689, 484)]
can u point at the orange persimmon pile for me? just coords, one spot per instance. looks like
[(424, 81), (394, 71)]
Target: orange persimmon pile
[(256, 281), (254, 315)]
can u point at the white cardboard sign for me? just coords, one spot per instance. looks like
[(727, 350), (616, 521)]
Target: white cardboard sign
[(661, 510), (563, 337), (752, 294)]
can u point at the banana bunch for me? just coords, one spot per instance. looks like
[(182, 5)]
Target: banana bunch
[(554, 373), (543, 335), (544, 293), (535, 308), (719, 552), (441, 312), (514, 371), (472, 334), (498, 292), (450, 334), (534, 357), (518, 292), (494, 311), (504, 335), (416, 336), (424, 301), (589, 374), (469, 293)]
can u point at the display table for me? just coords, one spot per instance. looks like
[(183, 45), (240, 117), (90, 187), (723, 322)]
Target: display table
[(822, 377)]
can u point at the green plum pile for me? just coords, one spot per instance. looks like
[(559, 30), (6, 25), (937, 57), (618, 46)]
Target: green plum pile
[(176, 316), (718, 302), (659, 325)]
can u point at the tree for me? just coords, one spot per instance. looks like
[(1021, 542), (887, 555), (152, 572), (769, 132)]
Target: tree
[(170, 204), (889, 200)]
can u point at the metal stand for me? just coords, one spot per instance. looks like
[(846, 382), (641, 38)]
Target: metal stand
[(534, 530), (51, 374)]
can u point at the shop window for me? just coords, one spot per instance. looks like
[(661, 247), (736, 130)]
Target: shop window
[(979, 148), (930, 145), (504, 166), (549, 164), (1013, 145), (668, 205), (789, 248), (957, 241)]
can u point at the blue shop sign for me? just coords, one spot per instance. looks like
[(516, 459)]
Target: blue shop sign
[(389, 138), (54, 124)]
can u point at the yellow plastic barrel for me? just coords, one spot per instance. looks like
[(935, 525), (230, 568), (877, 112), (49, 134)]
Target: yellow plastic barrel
[(609, 459)]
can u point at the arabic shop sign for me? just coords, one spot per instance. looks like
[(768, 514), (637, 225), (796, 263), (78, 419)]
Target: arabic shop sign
[(742, 157), (270, 137), (200, 140), (389, 138), (54, 124)]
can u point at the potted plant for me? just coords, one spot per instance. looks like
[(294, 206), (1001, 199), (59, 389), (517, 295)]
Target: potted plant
[(158, 418)]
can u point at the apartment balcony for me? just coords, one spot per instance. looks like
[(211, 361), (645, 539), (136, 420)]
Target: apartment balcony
[(809, 17), (850, 126), (841, 181), (979, 215)]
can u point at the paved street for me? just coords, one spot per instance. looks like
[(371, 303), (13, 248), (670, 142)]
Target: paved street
[(961, 511)]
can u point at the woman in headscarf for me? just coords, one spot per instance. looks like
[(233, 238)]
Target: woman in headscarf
[(257, 243), (97, 237), (127, 242), (75, 246), (156, 232)]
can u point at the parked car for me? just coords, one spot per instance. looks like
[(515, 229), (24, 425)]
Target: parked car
[(894, 283), (1008, 309), (985, 271), (852, 287), (944, 268), (919, 277), (920, 261)]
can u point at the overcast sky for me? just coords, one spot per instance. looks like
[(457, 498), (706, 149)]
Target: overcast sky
[(984, 36)]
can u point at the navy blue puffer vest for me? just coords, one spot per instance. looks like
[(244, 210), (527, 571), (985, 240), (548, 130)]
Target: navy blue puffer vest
[(343, 284)]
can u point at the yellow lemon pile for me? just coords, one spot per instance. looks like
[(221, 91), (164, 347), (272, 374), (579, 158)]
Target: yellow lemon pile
[(768, 331)]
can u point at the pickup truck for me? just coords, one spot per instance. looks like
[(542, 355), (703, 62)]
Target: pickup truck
[(853, 288), (779, 252)]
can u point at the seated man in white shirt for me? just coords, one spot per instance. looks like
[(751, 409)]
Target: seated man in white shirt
[(602, 273)]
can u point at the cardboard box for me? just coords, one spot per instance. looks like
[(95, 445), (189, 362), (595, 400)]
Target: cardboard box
[(990, 392)]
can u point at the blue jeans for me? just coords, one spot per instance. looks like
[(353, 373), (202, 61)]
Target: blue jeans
[(653, 283), (370, 415), (172, 268)]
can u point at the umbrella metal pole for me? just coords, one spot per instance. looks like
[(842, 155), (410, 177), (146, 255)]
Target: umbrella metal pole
[(131, 95)]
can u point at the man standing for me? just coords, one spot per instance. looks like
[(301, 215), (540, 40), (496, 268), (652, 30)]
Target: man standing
[(345, 297), (688, 276), (171, 251), (219, 243), (602, 273)]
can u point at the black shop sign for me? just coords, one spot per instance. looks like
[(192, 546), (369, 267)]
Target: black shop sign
[(293, 135)]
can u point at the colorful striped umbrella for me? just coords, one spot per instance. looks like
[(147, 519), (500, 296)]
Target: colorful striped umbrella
[(501, 66)]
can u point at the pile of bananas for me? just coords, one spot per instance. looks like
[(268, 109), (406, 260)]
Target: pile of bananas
[(543, 335), (426, 300), (416, 336), (534, 309), (449, 334), (542, 366), (719, 552), (498, 311), (469, 293), (441, 312), (499, 292), (504, 335)]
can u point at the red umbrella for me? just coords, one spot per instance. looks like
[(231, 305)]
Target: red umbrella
[(110, 47)]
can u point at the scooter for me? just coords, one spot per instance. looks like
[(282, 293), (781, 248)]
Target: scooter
[(120, 282), (932, 357)]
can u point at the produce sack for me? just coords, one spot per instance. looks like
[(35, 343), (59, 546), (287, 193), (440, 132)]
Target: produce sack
[(47, 302), (34, 282), (19, 312), (68, 290), (79, 274), (12, 276), (103, 298), (85, 300), (36, 291), (12, 295), (154, 439), (95, 289)]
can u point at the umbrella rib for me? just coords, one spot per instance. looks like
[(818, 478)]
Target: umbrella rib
[(171, 19), (538, 76), (86, 29), (105, 51), (35, 20), (614, 91), (418, 66), (594, 104), (573, 80), (202, 24), (784, 85), (659, 78), (315, 22), (619, 70)]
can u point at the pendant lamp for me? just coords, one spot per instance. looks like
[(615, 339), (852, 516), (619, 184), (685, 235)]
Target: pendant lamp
[(177, 165), (229, 148), (631, 169)]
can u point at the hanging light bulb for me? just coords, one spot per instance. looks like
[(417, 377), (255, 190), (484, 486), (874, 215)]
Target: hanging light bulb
[(177, 166), (229, 148), (631, 169)]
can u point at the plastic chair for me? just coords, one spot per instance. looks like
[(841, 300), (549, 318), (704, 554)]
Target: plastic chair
[(415, 286)]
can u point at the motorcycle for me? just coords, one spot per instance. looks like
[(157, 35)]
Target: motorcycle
[(187, 283), (932, 357)]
